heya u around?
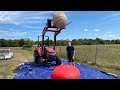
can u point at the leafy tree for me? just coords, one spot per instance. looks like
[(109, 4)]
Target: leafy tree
[(4, 43)]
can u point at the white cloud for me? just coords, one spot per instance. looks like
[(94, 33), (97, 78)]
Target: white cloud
[(36, 31), (116, 37), (85, 29), (95, 34), (103, 23), (3, 31), (96, 30), (31, 27), (109, 32), (111, 16), (105, 34), (24, 17), (110, 36), (84, 23), (9, 16), (115, 19), (17, 21), (18, 34), (9, 33)]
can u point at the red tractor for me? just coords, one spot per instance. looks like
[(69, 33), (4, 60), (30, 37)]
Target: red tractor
[(44, 53)]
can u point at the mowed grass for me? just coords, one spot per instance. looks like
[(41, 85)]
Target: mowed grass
[(107, 58), (102, 57), (8, 68)]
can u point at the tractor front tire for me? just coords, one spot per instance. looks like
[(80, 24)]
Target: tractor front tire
[(35, 57), (40, 60), (58, 60)]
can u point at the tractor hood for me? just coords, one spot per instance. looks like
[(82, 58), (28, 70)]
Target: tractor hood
[(51, 50)]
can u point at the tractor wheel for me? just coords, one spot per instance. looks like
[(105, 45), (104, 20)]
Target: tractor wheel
[(40, 60), (35, 55), (58, 60)]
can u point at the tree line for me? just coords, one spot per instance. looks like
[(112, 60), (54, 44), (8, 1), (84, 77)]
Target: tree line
[(27, 42), (16, 42)]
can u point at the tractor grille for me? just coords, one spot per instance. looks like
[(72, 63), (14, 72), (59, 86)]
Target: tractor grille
[(52, 58)]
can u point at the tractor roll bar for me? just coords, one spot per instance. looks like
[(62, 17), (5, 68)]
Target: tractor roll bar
[(39, 42)]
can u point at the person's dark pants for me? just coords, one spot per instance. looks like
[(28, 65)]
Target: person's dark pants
[(70, 58)]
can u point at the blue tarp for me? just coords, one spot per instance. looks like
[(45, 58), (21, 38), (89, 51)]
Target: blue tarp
[(35, 71)]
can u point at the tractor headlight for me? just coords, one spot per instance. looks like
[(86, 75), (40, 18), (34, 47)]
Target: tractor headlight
[(52, 54)]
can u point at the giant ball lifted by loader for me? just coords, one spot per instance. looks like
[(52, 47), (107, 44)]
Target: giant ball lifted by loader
[(59, 20), (42, 53)]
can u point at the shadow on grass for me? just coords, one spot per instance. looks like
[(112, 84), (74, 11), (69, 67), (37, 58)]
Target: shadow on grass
[(5, 59)]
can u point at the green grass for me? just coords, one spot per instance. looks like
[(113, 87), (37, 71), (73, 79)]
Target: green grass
[(107, 58)]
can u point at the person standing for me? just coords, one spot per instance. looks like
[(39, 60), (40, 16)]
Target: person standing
[(70, 53)]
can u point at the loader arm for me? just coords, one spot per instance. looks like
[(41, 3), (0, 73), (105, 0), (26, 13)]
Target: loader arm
[(46, 29)]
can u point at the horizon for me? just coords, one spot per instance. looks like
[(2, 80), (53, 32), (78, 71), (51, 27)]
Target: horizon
[(60, 39)]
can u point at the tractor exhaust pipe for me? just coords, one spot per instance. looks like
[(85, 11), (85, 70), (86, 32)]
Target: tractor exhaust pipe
[(38, 42)]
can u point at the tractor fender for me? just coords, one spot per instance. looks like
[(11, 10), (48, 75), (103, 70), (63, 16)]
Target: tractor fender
[(39, 51)]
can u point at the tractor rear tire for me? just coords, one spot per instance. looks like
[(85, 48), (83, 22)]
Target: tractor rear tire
[(58, 60), (35, 56)]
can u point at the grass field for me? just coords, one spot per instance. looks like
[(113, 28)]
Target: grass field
[(102, 57)]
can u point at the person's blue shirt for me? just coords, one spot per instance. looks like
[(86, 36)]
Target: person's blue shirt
[(70, 51)]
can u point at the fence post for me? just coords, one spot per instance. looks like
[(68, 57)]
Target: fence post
[(95, 54), (60, 48)]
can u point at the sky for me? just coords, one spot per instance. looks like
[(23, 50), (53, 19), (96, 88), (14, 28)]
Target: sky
[(85, 24)]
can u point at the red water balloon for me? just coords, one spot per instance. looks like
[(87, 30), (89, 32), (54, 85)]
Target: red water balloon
[(65, 72)]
